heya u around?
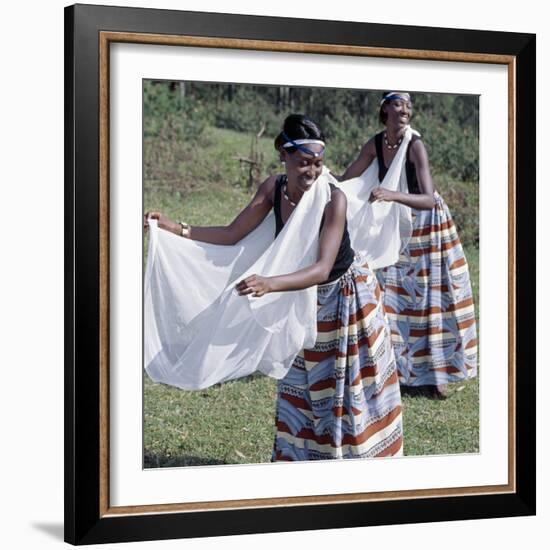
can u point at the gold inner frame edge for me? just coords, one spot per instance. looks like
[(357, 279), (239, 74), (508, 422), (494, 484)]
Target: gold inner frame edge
[(105, 39)]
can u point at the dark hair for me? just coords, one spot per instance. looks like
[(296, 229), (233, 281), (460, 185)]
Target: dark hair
[(382, 116), (298, 127)]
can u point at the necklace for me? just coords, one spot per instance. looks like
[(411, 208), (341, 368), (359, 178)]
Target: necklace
[(395, 146), (287, 197)]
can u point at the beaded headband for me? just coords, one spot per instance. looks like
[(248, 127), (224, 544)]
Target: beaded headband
[(395, 95), (299, 144)]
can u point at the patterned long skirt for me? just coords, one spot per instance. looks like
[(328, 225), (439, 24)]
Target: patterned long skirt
[(428, 299), (341, 399)]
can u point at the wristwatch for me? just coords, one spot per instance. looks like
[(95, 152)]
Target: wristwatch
[(184, 229)]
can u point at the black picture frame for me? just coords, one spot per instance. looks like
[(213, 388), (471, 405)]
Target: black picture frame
[(88, 519)]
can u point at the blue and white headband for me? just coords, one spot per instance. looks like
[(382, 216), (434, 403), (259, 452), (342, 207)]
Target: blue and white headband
[(395, 95), (299, 144)]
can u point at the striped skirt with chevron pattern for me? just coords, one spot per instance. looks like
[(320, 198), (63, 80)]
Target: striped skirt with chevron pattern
[(429, 303), (341, 399)]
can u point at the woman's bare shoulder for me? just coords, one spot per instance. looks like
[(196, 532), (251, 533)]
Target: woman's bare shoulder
[(417, 148), (267, 187), (338, 201), (370, 147)]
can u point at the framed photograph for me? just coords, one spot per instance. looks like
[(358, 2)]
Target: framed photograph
[(178, 111)]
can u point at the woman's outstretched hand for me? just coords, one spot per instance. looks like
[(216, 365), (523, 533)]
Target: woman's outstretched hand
[(164, 222), (255, 285), (381, 194)]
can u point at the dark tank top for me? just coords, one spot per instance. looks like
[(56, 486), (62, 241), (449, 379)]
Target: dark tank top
[(412, 182), (345, 255)]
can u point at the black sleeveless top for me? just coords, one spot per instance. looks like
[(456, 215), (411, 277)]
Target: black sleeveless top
[(410, 170), (345, 255)]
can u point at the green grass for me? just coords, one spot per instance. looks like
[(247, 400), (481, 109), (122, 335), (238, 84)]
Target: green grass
[(212, 160), (233, 423), (434, 427), (229, 423)]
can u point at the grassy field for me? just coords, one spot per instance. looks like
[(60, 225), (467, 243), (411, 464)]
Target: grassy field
[(233, 422)]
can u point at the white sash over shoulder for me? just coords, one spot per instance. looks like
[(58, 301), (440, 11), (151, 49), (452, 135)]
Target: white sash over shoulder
[(379, 231), (198, 331)]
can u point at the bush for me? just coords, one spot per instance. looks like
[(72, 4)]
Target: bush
[(452, 150), (345, 138), (165, 105), (463, 201), (247, 114)]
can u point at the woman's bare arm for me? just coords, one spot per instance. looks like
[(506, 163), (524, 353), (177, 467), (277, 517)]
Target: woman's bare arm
[(362, 162), (244, 223)]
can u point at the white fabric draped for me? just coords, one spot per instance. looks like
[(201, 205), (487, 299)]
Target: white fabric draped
[(379, 230), (198, 331)]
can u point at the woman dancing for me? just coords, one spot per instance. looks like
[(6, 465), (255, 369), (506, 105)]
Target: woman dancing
[(340, 398), (427, 293)]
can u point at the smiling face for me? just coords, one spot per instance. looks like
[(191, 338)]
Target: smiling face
[(398, 113), (303, 169)]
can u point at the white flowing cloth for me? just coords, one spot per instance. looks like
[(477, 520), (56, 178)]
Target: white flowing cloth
[(198, 331), (379, 231)]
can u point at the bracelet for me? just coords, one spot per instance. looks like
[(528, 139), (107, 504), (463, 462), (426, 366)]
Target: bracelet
[(184, 229)]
